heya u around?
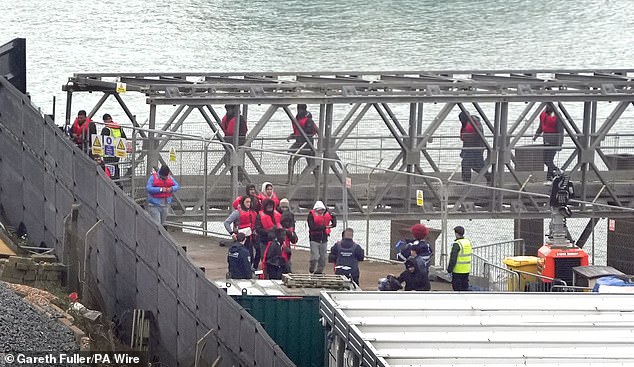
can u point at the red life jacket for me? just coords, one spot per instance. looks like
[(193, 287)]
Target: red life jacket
[(302, 122), (113, 125), (276, 201), (228, 126), (158, 182), (247, 218), (469, 128), (267, 222), (548, 123), (321, 221), (81, 130)]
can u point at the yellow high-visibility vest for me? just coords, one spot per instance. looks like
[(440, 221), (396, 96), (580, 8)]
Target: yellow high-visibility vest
[(463, 262)]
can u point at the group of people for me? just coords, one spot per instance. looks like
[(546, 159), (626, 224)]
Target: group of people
[(81, 131), (263, 229), (304, 132), (473, 143)]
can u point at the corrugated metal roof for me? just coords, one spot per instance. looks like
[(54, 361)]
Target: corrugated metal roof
[(484, 329)]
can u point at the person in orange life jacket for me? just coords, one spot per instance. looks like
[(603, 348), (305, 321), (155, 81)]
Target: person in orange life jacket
[(346, 255), (550, 127), (473, 146), (274, 261), (239, 259), (243, 220), (300, 146), (256, 204), (266, 222), (82, 129), (113, 129), (99, 160), (268, 193), (160, 188), (320, 221), (229, 127)]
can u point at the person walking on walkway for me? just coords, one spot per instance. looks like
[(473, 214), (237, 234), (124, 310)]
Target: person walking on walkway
[(266, 222), (239, 259), (268, 193), (302, 141), (320, 221), (81, 131), (160, 188), (472, 146), (114, 130), (346, 255), (460, 261), (550, 128)]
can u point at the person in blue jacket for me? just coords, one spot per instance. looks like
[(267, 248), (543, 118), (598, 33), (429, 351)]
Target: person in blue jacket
[(239, 259), (160, 188)]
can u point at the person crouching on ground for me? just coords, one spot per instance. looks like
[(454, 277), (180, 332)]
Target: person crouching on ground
[(413, 277)]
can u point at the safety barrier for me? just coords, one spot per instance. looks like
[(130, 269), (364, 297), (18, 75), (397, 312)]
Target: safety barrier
[(65, 201)]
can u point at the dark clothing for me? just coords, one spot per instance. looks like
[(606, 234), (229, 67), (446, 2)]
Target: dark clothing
[(275, 263), (453, 257), (346, 255), (473, 147), (288, 223), (414, 281), (550, 127), (239, 262), (460, 282), (319, 233)]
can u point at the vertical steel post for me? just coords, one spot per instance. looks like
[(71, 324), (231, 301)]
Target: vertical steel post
[(502, 147), (133, 159), (344, 194), (413, 142), (205, 160), (584, 155), (235, 169), (327, 146), (152, 145), (69, 102)]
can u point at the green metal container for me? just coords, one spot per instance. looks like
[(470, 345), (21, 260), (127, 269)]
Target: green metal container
[(293, 322)]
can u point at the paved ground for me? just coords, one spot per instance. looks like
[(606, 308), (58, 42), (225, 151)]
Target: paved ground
[(206, 252)]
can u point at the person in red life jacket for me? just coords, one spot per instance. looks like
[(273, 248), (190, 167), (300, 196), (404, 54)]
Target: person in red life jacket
[(160, 188), (242, 220), (250, 190), (266, 222), (346, 255), (320, 221), (82, 129), (288, 223), (550, 128), (99, 160), (274, 262), (472, 146), (229, 128), (113, 129), (268, 193), (301, 145)]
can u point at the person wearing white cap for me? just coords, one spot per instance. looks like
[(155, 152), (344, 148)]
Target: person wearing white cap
[(320, 221)]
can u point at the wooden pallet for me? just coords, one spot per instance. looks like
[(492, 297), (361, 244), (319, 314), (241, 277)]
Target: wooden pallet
[(316, 281)]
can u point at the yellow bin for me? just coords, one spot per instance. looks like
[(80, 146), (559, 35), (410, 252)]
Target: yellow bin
[(522, 263)]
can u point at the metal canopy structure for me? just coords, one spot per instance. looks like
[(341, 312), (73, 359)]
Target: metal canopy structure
[(406, 115), (478, 329)]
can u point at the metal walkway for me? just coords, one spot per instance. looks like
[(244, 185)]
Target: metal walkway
[(403, 123)]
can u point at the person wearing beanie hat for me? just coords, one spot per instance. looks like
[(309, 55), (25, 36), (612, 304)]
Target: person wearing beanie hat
[(320, 221), (288, 223), (160, 188), (460, 261)]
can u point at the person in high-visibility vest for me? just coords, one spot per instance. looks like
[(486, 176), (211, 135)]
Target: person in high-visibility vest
[(113, 129), (460, 261)]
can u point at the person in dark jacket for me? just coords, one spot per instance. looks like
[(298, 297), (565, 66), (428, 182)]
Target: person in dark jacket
[(239, 259), (267, 220), (472, 146), (346, 255), (255, 199), (274, 262), (413, 277), (288, 223)]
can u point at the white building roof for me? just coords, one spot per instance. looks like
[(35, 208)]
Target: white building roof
[(483, 329)]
